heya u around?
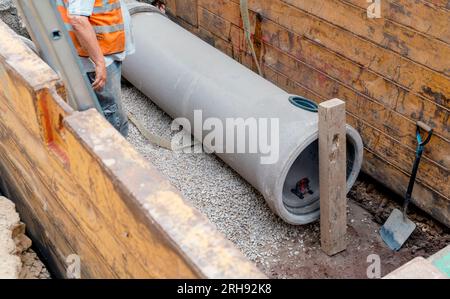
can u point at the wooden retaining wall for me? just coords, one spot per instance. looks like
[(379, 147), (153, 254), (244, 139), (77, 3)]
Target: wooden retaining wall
[(391, 72), (84, 191)]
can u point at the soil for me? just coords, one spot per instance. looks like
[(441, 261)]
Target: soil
[(32, 266), (429, 237), (370, 204), (17, 259)]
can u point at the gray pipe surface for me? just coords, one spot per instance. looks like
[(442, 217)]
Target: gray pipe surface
[(181, 74)]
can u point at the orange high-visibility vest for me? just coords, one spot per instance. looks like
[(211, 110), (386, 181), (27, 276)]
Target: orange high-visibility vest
[(107, 21)]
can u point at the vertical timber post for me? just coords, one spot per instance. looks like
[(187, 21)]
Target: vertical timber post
[(332, 171)]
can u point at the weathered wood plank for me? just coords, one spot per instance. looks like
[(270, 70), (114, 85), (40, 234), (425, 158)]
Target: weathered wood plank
[(412, 76), (214, 23), (39, 208), (418, 47), (386, 92), (387, 121), (332, 174), (226, 9), (445, 4), (354, 75), (187, 10), (418, 15), (336, 67), (432, 202)]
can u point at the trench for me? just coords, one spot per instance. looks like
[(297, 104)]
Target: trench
[(240, 212)]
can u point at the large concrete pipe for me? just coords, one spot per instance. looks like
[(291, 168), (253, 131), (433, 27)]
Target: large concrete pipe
[(181, 74)]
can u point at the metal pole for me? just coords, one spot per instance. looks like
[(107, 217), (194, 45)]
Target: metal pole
[(55, 46)]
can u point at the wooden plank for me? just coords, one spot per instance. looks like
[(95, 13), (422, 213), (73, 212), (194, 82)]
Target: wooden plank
[(79, 220), (389, 122), (332, 174), (445, 4), (171, 7), (393, 152), (86, 191), (385, 92), (416, 78), (409, 43), (365, 81), (226, 9), (187, 10), (215, 24), (429, 201), (418, 15), (153, 138), (46, 220)]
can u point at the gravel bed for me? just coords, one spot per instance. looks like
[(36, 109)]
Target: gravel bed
[(234, 206)]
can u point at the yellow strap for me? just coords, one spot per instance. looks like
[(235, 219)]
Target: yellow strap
[(155, 139), (246, 22)]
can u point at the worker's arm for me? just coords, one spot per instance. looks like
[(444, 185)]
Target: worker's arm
[(86, 36)]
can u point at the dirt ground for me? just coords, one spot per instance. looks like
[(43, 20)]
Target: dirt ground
[(32, 266), (366, 215), (429, 237)]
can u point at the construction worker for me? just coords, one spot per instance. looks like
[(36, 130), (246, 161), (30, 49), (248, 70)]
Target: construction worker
[(101, 33)]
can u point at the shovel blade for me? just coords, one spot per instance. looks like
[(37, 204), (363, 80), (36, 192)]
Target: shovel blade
[(397, 230)]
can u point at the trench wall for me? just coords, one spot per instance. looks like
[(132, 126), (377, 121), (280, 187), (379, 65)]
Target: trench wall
[(392, 71)]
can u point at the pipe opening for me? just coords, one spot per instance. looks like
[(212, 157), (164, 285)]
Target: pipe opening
[(304, 103), (301, 187)]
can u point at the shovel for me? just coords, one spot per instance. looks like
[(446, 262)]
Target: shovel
[(398, 227)]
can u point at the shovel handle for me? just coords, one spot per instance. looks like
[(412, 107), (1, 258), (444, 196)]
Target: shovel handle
[(419, 153), (424, 126)]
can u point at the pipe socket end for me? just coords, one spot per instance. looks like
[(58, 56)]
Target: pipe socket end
[(299, 196)]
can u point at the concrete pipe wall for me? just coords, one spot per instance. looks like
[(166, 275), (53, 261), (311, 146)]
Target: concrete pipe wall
[(181, 74)]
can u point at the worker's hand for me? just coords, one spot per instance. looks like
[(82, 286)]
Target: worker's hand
[(100, 77), (87, 37)]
